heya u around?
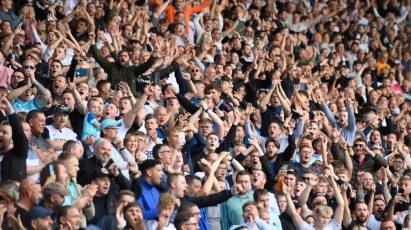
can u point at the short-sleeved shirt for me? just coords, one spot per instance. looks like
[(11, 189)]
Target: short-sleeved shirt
[(32, 104), (333, 225)]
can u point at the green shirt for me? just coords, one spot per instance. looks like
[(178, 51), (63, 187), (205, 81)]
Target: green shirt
[(232, 210)]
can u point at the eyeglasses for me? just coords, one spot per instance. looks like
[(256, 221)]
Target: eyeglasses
[(27, 67), (358, 146)]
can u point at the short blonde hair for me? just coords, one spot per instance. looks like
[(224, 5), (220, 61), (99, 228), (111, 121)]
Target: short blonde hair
[(323, 209)]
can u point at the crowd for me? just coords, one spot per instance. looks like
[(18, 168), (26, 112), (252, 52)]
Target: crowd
[(205, 114)]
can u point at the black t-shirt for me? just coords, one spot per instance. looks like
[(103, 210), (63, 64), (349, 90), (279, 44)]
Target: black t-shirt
[(76, 120), (23, 216)]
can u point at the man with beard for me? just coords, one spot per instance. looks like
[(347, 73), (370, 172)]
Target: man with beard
[(361, 213), (121, 70), (102, 159), (40, 219), (30, 196), (13, 145)]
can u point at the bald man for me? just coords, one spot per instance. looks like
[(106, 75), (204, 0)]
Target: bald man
[(30, 196)]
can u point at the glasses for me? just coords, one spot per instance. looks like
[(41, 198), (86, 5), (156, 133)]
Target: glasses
[(27, 67), (358, 146)]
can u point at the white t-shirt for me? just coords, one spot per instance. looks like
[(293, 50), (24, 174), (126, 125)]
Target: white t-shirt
[(64, 134), (331, 226)]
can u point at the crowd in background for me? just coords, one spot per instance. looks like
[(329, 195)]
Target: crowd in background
[(205, 114)]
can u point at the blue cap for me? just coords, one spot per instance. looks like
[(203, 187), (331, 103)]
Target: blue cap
[(109, 122), (38, 212)]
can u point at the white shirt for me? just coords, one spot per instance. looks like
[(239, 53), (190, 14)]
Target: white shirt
[(64, 134), (330, 226)]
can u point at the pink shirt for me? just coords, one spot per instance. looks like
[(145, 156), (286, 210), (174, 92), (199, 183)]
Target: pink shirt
[(5, 75)]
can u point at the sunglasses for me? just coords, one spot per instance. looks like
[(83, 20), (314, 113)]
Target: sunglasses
[(358, 145), (27, 67)]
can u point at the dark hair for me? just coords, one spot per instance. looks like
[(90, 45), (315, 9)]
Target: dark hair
[(33, 114), (181, 218), (258, 193), (190, 178), (241, 173), (68, 145), (156, 150), (101, 83)]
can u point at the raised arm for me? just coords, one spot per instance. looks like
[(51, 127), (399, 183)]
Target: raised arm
[(297, 219)]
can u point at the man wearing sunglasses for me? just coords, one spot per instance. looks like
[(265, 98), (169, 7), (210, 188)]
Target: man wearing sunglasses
[(21, 97), (366, 160)]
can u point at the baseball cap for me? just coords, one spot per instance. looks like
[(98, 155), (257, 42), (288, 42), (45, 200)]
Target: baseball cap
[(103, 172), (109, 122), (38, 212), (61, 109)]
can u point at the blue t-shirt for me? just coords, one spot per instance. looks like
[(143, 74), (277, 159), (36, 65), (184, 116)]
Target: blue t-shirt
[(32, 104), (88, 128)]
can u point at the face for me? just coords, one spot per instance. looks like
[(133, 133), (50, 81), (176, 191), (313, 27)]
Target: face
[(124, 106), (180, 187), (191, 224), (195, 211), (165, 154), (194, 187), (359, 147), (72, 167), (206, 128), (161, 115), (134, 215), (274, 130), (103, 152), (264, 202), (245, 182), (73, 217), (258, 179), (60, 120), (250, 212), (322, 219), (388, 225), (361, 212), (16, 78), (59, 84), (110, 111), (212, 142), (290, 180), (124, 58), (35, 193), (103, 185), (282, 203), (111, 132), (26, 130), (305, 155), (5, 137), (155, 174), (42, 223)]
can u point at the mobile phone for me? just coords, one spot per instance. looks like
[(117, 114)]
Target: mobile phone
[(401, 190), (51, 170)]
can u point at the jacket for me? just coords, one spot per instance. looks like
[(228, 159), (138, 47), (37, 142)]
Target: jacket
[(89, 167), (117, 72), (13, 165)]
